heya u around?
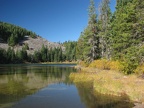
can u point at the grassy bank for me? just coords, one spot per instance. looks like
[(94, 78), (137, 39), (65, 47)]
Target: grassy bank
[(112, 82)]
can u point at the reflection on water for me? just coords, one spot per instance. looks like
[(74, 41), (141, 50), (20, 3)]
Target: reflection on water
[(19, 81), (97, 100), (48, 86), (53, 96)]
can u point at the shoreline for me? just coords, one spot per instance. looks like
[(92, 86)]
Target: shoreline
[(75, 63), (112, 83)]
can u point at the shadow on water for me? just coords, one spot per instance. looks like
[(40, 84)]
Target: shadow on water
[(19, 81), (97, 100)]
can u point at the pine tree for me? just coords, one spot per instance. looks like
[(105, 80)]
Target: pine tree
[(44, 51), (12, 40), (127, 33), (94, 38), (80, 47), (104, 28), (90, 37), (122, 27), (60, 55), (10, 55), (37, 56), (3, 56)]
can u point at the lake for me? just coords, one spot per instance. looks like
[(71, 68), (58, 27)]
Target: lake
[(49, 86)]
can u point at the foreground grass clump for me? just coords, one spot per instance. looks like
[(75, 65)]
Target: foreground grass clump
[(112, 83)]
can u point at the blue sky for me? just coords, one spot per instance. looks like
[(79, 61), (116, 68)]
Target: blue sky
[(54, 20)]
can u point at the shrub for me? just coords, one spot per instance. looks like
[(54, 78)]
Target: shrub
[(139, 70), (26, 47), (129, 65), (83, 63), (106, 65), (131, 59), (115, 65), (100, 64)]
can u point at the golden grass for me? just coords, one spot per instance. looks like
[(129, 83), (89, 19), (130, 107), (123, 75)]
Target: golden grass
[(106, 65), (83, 63), (140, 69), (112, 83)]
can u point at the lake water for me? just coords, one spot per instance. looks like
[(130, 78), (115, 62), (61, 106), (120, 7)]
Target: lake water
[(49, 86)]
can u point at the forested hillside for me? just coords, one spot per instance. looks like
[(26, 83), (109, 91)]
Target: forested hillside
[(114, 36), (12, 34), (18, 45)]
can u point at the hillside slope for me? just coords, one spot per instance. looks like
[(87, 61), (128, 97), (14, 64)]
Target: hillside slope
[(18, 45), (34, 44), (17, 37)]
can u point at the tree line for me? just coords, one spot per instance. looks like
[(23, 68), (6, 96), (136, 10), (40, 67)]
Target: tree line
[(114, 36), (45, 54)]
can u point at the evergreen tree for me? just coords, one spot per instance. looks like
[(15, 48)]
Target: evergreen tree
[(60, 55), (90, 37), (122, 26), (22, 55), (37, 56), (127, 34), (94, 38), (10, 55), (104, 28), (3, 56), (12, 40), (70, 52), (80, 47), (55, 55), (44, 51), (52, 55)]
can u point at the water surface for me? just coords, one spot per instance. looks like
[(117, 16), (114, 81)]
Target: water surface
[(49, 86)]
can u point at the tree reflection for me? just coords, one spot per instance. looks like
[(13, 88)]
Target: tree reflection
[(18, 81)]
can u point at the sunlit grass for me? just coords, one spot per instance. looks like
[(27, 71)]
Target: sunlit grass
[(112, 82)]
